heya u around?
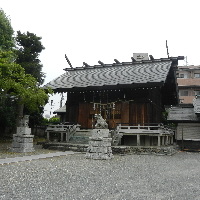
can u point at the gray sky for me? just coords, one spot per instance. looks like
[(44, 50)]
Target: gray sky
[(93, 30)]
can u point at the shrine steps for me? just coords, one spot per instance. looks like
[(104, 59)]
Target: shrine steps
[(81, 136), (84, 132)]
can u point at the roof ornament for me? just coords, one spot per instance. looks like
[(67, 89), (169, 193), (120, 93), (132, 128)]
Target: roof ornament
[(151, 57), (117, 61), (68, 61), (133, 59), (140, 57), (85, 64), (101, 63)]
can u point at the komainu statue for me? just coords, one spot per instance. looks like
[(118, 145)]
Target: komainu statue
[(101, 123)]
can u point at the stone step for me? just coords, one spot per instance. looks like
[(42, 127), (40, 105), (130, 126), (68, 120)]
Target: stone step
[(84, 132), (79, 139), (59, 148), (66, 147)]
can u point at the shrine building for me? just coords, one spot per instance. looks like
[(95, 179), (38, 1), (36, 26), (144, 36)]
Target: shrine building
[(125, 93)]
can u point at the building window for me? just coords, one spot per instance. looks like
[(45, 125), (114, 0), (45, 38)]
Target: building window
[(183, 76), (197, 92), (197, 75), (183, 93)]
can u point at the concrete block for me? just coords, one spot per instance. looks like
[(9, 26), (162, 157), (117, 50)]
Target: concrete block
[(22, 150), (23, 131), (24, 139), (26, 145), (15, 144), (100, 133), (99, 143)]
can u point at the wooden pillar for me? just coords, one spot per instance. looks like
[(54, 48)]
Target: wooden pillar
[(47, 135), (67, 135), (163, 140), (159, 140), (170, 140), (61, 137), (138, 139), (113, 120), (167, 140)]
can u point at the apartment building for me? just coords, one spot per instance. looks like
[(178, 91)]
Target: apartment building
[(188, 78)]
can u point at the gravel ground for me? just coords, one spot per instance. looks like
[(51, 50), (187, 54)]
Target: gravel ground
[(122, 178), (4, 151)]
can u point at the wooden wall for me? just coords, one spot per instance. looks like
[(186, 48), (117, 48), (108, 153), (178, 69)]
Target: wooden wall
[(130, 107)]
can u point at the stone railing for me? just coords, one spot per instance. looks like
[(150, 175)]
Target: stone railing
[(145, 129), (68, 130), (163, 133)]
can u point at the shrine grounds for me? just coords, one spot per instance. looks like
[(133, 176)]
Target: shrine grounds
[(126, 177)]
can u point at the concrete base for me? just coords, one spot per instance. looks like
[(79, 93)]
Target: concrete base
[(23, 131), (146, 150), (100, 133), (122, 150), (22, 143), (99, 145)]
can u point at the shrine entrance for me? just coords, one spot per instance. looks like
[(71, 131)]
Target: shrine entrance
[(121, 112), (108, 111), (111, 112)]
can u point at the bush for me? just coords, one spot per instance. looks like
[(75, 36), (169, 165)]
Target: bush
[(53, 120)]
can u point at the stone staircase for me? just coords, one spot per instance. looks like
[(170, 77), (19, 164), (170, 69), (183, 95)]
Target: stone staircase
[(81, 136), (78, 142)]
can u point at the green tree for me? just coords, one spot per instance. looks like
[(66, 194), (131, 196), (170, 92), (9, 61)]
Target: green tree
[(19, 90), (28, 51), (29, 47), (21, 87), (7, 114), (6, 32)]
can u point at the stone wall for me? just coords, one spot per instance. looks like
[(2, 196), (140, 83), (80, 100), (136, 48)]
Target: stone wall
[(168, 150)]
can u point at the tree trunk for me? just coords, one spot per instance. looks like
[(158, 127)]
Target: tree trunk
[(20, 111)]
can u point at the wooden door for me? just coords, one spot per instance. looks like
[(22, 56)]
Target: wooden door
[(72, 113), (83, 114), (125, 112), (137, 113)]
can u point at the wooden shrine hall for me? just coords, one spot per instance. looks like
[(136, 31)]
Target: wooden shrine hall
[(126, 93)]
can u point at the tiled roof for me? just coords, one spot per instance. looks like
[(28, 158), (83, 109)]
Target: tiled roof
[(154, 71), (60, 110)]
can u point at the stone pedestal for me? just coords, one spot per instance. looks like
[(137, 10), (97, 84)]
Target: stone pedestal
[(22, 143), (23, 140), (23, 131), (99, 145)]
